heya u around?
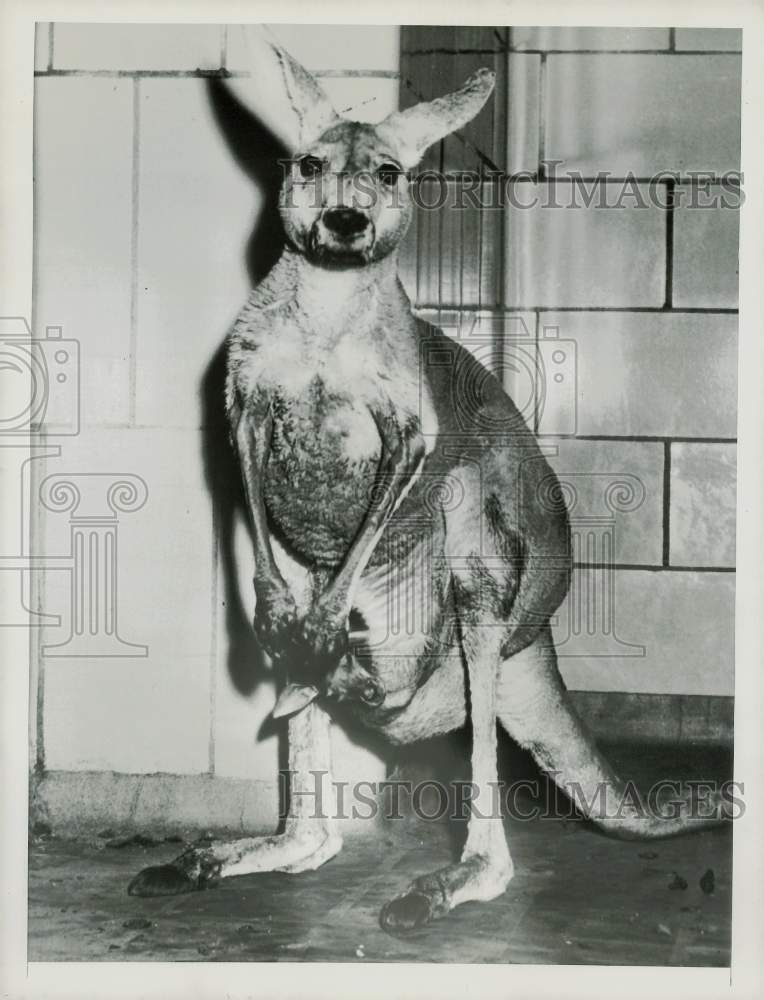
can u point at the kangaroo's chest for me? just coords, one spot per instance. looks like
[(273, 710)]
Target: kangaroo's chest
[(322, 464), (325, 447)]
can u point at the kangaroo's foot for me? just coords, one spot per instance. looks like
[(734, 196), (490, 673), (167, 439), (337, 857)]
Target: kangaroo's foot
[(203, 865), (480, 877), (322, 851), (308, 839)]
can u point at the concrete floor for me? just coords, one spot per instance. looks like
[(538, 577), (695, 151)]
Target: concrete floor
[(577, 898)]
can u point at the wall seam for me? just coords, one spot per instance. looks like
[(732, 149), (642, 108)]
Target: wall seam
[(135, 209), (214, 612), (666, 503), (541, 170), (222, 72), (669, 249)]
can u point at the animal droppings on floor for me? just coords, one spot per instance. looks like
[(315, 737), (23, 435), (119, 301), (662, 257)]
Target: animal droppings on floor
[(708, 882), (678, 882)]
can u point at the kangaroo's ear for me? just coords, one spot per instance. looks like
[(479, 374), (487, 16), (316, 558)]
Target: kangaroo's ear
[(416, 129), (312, 107)]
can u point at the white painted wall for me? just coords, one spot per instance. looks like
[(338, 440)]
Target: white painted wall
[(142, 222)]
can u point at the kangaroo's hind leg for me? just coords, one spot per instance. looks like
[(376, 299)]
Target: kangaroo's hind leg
[(485, 867), (533, 706), (309, 839)]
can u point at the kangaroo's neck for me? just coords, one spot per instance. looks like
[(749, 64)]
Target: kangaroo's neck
[(332, 297)]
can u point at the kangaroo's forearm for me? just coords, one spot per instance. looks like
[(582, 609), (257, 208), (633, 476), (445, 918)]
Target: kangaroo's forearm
[(253, 438)]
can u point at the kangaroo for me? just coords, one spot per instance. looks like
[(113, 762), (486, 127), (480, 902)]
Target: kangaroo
[(371, 479)]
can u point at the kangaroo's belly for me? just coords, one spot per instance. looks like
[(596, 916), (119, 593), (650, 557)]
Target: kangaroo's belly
[(323, 460)]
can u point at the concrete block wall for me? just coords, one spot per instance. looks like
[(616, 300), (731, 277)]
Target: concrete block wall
[(143, 220), (642, 296)]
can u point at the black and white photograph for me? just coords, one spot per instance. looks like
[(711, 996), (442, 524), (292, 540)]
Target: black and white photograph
[(370, 463)]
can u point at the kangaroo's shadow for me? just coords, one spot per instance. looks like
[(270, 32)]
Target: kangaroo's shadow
[(258, 152)]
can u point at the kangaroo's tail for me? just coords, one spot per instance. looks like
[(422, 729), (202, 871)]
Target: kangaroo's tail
[(534, 707)]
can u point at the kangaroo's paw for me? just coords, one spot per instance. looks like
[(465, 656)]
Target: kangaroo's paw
[(323, 634), (275, 618), (433, 896)]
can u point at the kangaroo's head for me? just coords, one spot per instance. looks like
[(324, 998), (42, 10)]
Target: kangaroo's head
[(345, 199)]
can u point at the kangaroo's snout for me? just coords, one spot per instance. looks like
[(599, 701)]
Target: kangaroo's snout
[(342, 235), (350, 681), (346, 222)]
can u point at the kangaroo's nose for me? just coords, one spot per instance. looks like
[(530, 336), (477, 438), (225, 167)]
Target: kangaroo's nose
[(345, 221)]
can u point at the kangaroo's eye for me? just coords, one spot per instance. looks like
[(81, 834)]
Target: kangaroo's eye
[(310, 166), (389, 173)]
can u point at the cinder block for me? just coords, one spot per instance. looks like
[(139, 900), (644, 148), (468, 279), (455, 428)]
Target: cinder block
[(42, 39), (643, 113), (638, 374), (86, 803), (323, 46), (79, 45), (706, 242), (135, 713), (682, 624), (188, 802), (197, 211), (619, 39), (562, 253), (82, 247), (703, 513), (615, 498), (709, 39)]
